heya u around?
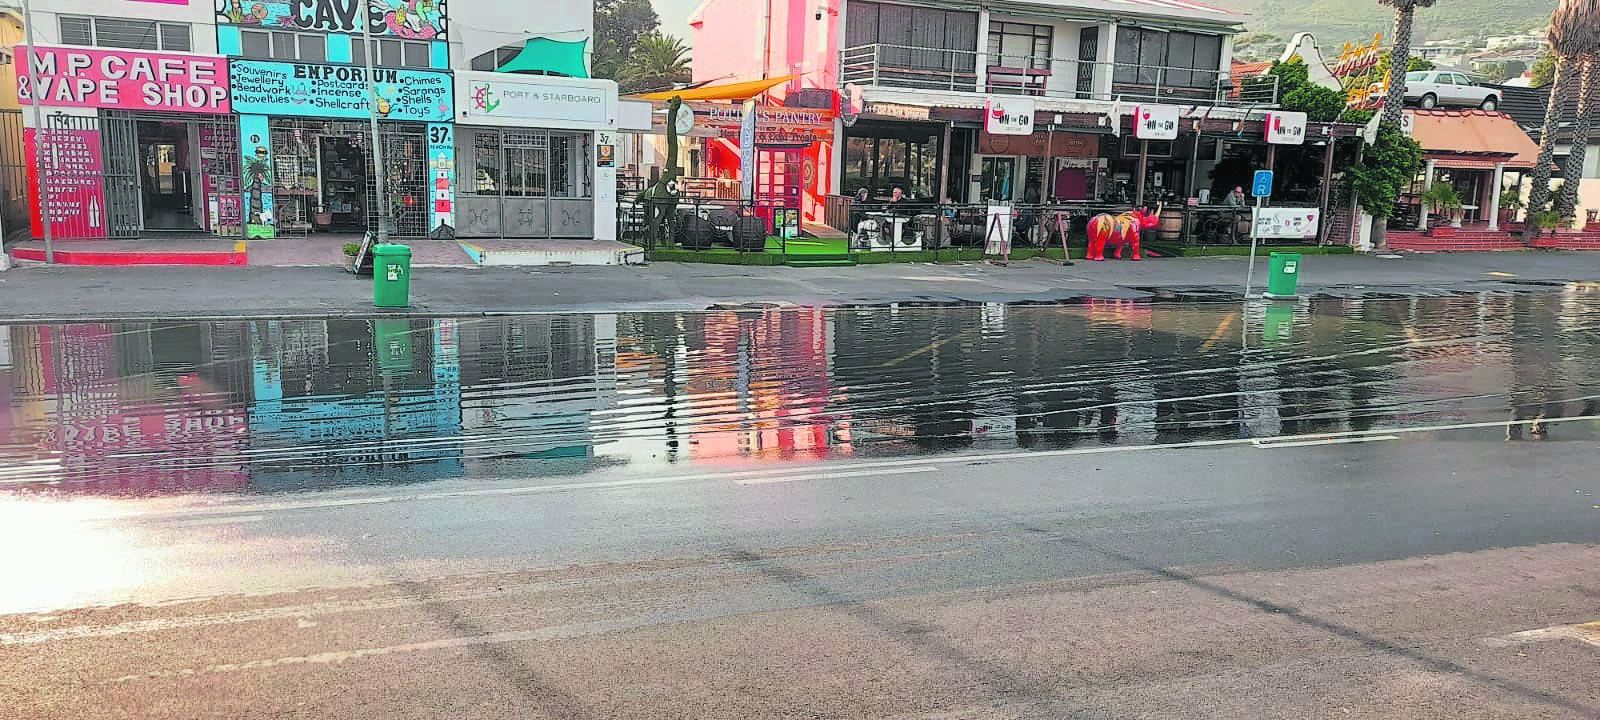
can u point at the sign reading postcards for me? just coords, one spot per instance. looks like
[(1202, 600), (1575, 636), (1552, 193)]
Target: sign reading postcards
[(339, 91)]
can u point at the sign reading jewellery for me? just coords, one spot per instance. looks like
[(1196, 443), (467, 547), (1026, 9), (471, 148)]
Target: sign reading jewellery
[(339, 91)]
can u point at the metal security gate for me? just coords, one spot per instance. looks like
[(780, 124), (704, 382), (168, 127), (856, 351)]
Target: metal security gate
[(405, 157), (13, 177), (534, 184), (318, 186), (120, 145)]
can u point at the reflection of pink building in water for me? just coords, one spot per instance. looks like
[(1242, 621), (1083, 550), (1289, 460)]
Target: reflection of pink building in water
[(780, 38), (90, 414)]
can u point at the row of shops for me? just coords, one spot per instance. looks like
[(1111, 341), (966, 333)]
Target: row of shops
[(144, 143)]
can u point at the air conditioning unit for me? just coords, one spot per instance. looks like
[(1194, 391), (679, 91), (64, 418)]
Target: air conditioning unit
[(896, 234)]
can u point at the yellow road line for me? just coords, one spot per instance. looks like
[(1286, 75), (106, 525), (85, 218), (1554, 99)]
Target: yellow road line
[(1500, 274), (1216, 337), (935, 345)]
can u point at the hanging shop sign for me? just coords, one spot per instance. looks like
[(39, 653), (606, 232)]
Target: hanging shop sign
[(75, 197), (914, 113), (1009, 115), (1286, 128), (409, 19), (1155, 122), (339, 91), (588, 103), (125, 80), (776, 127)]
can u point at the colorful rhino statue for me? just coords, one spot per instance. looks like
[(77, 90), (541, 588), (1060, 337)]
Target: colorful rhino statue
[(1119, 231)]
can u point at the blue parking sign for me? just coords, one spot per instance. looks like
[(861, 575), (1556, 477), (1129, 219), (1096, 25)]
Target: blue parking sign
[(1262, 185)]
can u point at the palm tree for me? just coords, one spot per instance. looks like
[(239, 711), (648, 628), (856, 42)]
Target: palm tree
[(1400, 56), (1571, 38), (1580, 21), (656, 63)]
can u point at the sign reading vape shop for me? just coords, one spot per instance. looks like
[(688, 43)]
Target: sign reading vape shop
[(1008, 116), (339, 91), (73, 178), (125, 80), (537, 101)]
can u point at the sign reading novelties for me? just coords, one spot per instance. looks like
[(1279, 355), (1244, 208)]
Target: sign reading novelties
[(340, 91), (124, 79)]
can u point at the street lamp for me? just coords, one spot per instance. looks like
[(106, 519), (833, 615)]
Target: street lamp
[(41, 196)]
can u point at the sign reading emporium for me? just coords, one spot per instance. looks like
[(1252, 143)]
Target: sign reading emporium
[(339, 91)]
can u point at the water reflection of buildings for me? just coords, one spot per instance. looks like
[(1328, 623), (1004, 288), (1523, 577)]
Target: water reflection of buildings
[(136, 407), (343, 400)]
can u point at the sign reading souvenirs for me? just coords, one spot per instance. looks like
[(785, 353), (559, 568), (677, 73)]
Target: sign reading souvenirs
[(409, 19), (339, 91), (125, 80)]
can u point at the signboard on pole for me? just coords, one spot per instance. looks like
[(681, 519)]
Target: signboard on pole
[(1261, 184), (1155, 122), (747, 152), (1286, 223)]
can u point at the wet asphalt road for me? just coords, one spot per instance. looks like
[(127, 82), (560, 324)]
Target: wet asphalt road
[(1365, 510)]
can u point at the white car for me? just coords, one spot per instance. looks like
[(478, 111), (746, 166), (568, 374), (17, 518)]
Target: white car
[(1433, 88)]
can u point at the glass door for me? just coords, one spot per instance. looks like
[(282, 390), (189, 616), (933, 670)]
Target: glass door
[(999, 179)]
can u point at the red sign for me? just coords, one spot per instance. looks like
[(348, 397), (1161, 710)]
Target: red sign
[(73, 171), (124, 79)]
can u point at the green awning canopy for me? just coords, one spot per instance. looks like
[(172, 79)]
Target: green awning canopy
[(553, 57)]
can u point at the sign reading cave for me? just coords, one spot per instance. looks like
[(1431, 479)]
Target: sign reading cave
[(339, 91), (409, 19)]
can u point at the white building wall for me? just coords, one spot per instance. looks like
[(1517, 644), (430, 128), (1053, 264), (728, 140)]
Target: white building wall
[(478, 27), (200, 15)]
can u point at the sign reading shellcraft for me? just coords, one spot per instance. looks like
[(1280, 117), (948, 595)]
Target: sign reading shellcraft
[(125, 80), (340, 91), (537, 101)]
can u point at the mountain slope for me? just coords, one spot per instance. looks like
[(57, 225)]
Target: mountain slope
[(1337, 21)]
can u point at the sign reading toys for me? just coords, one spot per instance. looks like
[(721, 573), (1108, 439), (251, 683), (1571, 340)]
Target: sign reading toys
[(339, 91), (409, 19), (125, 80)]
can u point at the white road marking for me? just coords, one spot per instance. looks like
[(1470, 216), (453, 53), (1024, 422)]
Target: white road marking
[(1584, 633), (1325, 441), (248, 508), (837, 475)]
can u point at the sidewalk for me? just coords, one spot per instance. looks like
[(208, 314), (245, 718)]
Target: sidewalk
[(36, 293)]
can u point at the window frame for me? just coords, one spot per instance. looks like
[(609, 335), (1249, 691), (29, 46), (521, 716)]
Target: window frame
[(999, 31), (157, 32)]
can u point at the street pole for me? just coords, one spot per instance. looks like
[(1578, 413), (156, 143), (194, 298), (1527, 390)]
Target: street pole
[(1250, 275), (38, 137), (372, 115)]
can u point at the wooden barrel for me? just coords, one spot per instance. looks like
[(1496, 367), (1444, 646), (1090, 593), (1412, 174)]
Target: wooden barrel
[(1171, 227)]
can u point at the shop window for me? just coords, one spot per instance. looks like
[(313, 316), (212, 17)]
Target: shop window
[(393, 53), (1168, 59), (1020, 45), (308, 47), (527, 157), (569, 165), (486, 158), (124, 33), (255, 45)]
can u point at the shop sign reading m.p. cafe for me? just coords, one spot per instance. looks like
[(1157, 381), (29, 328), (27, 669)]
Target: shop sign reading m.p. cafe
[(124, 80), (1009, 116)]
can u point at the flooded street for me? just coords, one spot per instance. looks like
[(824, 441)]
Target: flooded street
[(1368, 508), (141, 409)]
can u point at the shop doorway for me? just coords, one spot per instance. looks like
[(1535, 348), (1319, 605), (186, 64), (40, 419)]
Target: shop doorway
[(998, 179), (166, 155), (324, 181)]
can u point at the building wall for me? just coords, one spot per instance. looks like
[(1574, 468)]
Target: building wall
[(199, 14), (724, 42), (478, 27), (11, 35)]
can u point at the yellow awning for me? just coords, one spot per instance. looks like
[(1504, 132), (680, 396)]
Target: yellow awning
[(733, 91)]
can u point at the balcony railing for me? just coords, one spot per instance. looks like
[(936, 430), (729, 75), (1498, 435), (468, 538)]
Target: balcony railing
[(919, 68)]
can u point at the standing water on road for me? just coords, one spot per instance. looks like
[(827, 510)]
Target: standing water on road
[(149, 408)]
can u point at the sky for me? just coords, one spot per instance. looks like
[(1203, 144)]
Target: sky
[(675, 16)]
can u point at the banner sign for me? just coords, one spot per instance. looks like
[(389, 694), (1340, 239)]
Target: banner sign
[(442, 168), (125, 80), (340, 91), (747, 152), (1282, 223), (1286, 128), (537, 101)]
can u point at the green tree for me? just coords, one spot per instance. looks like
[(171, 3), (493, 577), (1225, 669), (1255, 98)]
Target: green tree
[(656, 63), (618, 27), (1573, 38), (1544, 71), (1385, 169)]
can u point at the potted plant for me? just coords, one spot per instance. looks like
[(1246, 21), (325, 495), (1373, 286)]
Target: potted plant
[(322, 216), (1510, 204), (1544, 224), (1442, 200)]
